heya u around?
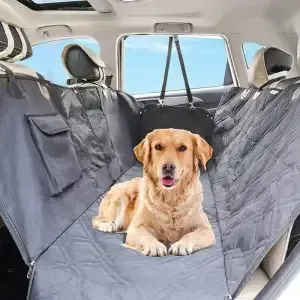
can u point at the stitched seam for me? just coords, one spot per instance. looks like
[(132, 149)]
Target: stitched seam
[(254, 202), (109, 131), (263, 253), (99, 196), (221, 235)]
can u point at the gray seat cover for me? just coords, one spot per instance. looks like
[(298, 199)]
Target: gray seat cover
[(61, 150)]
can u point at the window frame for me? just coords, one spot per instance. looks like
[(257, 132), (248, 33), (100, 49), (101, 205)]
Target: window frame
[(63, 5), (120, 63)]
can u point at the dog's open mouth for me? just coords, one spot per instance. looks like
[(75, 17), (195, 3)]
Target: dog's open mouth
[(168, 181)]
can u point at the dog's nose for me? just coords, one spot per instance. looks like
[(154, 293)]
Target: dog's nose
[(168, 167)]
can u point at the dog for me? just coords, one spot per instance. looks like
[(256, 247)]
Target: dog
[(164, 207)]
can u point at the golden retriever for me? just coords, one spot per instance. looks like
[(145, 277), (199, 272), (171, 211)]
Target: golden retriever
[(164, 208)]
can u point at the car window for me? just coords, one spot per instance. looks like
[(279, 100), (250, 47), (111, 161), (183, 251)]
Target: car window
[(46, 58), (249, 49), (144, 59)]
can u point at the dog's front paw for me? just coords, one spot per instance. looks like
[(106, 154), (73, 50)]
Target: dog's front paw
[(194, 241), (154, 249), (104, 226), (183, 247)]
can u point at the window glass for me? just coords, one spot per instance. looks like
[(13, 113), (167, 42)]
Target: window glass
[(144, 62), (250, 48), (47, 61)]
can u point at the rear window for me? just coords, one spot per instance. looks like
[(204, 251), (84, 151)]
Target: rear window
[(144, 59)]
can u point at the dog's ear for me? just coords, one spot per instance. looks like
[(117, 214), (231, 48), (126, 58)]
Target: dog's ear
[(202, 151), (142, 151)]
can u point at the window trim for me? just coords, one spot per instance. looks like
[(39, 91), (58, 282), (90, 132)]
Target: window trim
[(120, 61), (63, 5)]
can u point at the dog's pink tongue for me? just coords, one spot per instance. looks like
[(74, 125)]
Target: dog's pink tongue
[(168, 181)]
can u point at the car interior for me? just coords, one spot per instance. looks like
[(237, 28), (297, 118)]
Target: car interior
[(66, 139)]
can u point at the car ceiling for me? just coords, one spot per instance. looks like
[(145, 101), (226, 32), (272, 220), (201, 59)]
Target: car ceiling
[(216, 9), (207, 16)]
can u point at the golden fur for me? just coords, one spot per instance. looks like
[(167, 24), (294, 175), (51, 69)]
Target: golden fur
[(156, 216)]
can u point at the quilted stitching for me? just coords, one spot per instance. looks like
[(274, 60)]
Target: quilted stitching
[(260, 186), (87, 261), (251, 197), (254, 184)]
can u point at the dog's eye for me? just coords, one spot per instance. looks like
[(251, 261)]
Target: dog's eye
[(182, 148), (158, 147)]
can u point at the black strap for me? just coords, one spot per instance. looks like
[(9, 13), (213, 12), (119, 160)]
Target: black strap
[(41, 77), (187, 86), (164, 85)]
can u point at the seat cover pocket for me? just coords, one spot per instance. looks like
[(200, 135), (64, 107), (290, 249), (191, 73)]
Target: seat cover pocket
[(52, 139)]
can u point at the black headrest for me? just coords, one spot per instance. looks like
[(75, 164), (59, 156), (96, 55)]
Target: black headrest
[(83, 64), (14, 44)]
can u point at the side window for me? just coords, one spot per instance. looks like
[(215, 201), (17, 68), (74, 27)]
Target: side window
[(249, 49), (144, 59), (47, 61)]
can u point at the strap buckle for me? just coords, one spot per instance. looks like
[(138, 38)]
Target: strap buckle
[(160, 103), (192, 106)]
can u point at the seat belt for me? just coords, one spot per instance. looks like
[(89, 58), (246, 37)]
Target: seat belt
[(268, 83), (164, 85), (183, 70)]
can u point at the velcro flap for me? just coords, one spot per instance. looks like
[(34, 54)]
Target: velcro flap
[(50, 124)]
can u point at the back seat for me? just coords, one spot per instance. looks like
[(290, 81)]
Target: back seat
[(260, 278), (75, 142), (107, 110), (269, 68), (240, 117), (86, 168)]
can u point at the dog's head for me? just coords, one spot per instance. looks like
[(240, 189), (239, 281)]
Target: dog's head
[(171, 155)]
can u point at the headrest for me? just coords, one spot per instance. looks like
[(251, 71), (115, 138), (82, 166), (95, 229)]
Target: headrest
[(269, 64), (14, 44), (83, 64)]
